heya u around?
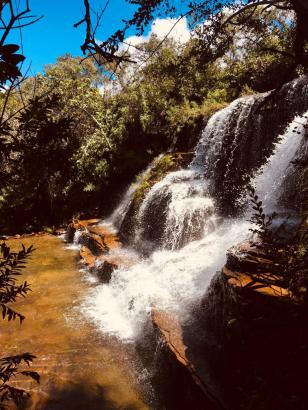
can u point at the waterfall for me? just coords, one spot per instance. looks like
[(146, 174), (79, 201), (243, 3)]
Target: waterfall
[(185, 219), (181, 205), (115, 220), (272, 176), (170, 279)]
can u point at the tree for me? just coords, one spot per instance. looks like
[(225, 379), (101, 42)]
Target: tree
[(38, 164), (41, 178), (13, 16), (213, 22)]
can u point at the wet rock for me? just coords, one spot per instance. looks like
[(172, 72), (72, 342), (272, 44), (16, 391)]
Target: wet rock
[(110, 238), (103, 270), (249, 316), (155, 218), (295, 186), (76, 225), (85, 223), (87, 258), (251, 270), (186, 368), (93, 242), (70, 233), (245, 258), (59, 232)]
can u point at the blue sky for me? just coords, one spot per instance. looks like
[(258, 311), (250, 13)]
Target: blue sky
[(55, 35)]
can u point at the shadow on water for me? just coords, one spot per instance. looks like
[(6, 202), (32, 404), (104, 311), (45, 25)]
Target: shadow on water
[(81, 397)]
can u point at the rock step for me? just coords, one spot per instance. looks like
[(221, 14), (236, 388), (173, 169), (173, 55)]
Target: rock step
[(190, 362), (101, 248)]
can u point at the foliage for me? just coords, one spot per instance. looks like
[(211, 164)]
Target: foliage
[(11, 264), (287, 250), (264, 223), (215, 22), (13, 16), (37, 160), (50, 129), (10, 368), (161, 166), (9, 61)]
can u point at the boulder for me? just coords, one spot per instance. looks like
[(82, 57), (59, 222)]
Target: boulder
[(101, 251), (87, 258), (70, 232), (263, 333), (248, 267), (103, 270), (95, 243), (78, 225), (110, 238)]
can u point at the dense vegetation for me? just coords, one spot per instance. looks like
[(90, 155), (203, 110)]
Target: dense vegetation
[(76, 132)]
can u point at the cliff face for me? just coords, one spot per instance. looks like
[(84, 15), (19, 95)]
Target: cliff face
[(265, 337), (160, 167), (242, 136), (246, 346), (295, 189), (187, 361)]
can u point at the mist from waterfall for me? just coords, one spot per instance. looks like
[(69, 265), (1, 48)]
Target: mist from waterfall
[(194, 237)]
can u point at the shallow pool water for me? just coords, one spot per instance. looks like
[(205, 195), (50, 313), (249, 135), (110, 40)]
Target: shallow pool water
[(80, 368)]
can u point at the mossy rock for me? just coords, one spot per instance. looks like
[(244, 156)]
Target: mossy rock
[(162, 165)]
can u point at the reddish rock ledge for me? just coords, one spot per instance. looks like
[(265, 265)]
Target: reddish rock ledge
[(249, 269), (100, 248), (187, 364)]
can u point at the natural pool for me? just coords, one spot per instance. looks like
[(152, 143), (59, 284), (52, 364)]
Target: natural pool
[(80, 368)]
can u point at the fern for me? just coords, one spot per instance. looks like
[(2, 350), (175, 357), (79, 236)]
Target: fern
[(11, 264), (264, 223)]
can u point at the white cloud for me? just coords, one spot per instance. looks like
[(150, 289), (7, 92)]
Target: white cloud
[(175, 29), (178, 29)]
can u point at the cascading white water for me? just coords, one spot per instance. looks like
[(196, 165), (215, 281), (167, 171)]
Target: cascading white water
[(209, 147), (194, 239), (116, 218), (168, 279), (273, 174), (183, 195)]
